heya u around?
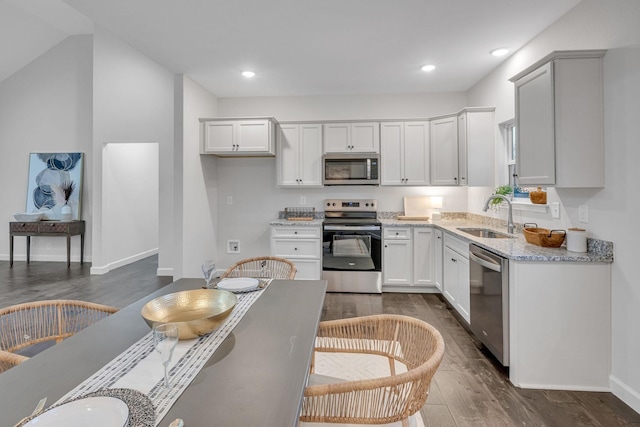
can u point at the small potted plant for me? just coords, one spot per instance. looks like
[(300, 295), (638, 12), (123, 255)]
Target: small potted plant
[(503, 190)]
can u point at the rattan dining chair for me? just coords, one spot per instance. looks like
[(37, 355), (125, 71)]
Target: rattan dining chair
[(403, 341), (262, 267), (31, 323)]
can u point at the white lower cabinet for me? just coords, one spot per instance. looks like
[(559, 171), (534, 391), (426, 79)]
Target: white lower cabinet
[(408, 259), (438, 247), (456, 275), (301, 245), (423, 256), (396, 256)]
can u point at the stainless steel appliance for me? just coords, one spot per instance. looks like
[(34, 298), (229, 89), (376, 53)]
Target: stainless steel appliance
[(489, 275), (352, 246), (351, 169)]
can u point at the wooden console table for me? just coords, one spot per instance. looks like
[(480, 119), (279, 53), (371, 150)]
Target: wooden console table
[(47, 228)]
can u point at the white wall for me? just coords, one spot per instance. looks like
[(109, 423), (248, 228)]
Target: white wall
[(198, 217), (133, 103), (613, 210), (46, 107), (130, 191)]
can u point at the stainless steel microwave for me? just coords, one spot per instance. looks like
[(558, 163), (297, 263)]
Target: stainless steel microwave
[(351, 169)]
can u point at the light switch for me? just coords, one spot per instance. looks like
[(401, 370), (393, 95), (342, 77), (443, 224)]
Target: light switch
[(229, 200), (555, 210), (583, 213), (303, 200)]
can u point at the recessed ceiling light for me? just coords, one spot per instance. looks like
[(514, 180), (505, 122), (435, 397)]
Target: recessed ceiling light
[(248, 74), (501, 51), (428, 68)]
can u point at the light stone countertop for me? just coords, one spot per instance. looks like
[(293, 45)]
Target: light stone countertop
[(516, 248)]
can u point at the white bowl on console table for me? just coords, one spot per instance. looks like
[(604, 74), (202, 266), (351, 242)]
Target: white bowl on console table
[(29, 217)]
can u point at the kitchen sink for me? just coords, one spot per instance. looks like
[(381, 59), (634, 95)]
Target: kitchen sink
[(485, 233)]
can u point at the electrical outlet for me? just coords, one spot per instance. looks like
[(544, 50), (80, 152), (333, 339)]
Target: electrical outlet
[(583, 213), (555, 210), (229, 200), (303, 200), (233, 246)]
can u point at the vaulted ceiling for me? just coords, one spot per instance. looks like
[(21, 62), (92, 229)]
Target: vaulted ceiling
[(295, 47)]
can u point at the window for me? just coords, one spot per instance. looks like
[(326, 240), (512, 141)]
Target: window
[(508, 130)]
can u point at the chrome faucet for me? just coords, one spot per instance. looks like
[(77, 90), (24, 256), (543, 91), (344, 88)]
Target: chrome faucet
[(510, 219)]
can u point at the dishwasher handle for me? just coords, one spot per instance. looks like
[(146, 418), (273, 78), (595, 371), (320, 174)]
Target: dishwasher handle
[(485, 261)]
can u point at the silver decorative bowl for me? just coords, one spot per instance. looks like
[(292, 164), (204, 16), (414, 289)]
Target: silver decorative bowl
[(196, 312)]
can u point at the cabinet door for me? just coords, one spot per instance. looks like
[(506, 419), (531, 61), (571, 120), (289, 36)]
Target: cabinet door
[(397, 262), (288, 155), (444, 151), (219, 136), (416, 153), (253, 135), (392, 153), (307, 269), (479, 143), (451, 276), (437, 259), (462, 149), (337, 137), (423, 256), (464, 290), (535, 127), (365, 137), (310, 160)]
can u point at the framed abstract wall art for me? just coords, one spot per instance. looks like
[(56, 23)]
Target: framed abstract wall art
[(55, 185)]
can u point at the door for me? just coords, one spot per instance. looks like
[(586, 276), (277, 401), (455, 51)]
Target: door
[(310, 157), (220, 136), (451, 277), (437, 259), (416, 153), (288, 155), (444, 151), (392, 153), (253, 135), (337, 137), (535, 127), (423, 260), (365, 137), (397, 262)]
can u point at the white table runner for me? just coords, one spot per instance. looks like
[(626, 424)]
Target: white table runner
[(139, 366)]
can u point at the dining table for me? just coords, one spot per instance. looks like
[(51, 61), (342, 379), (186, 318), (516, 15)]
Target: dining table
[(256, 377)]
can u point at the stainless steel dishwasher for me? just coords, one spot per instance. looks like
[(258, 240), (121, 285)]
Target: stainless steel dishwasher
[(489, 283)]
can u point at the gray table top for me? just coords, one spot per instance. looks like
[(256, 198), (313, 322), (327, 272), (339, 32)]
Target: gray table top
[(255, 378)]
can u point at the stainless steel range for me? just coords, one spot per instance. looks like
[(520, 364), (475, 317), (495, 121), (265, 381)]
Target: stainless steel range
[(352, 246)]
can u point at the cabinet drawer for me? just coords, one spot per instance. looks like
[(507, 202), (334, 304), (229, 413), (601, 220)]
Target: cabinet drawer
[(53, 227), (296, 232), (24, 227), (397, 233), (296, 248), (458, 245)]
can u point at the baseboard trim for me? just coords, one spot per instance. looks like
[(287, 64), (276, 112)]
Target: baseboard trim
[(122, 262), (625, 393), (164, 272)]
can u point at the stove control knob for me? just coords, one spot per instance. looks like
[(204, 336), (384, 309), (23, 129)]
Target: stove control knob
[(333, 204), (366, 204), (328, 204)]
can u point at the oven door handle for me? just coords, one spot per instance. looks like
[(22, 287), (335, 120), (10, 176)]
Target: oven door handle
[(485, 262), (351, 227)]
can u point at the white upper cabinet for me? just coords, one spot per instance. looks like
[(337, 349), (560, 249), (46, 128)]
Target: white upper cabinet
[(359, 137), (299, 155), (404, 150), (238, 137), (560, 121), (476, 147), (444, 151)]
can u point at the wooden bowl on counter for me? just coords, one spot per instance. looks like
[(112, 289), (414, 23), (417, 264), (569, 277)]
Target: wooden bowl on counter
[(196, 312), (543, 236)]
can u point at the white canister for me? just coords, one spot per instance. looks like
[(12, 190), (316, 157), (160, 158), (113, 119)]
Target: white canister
[(576, 240)]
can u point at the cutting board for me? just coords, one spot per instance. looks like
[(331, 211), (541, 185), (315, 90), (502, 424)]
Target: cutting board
[(416, 208)]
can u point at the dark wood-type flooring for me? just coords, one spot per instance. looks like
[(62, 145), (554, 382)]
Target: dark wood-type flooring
[(469, 389)]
